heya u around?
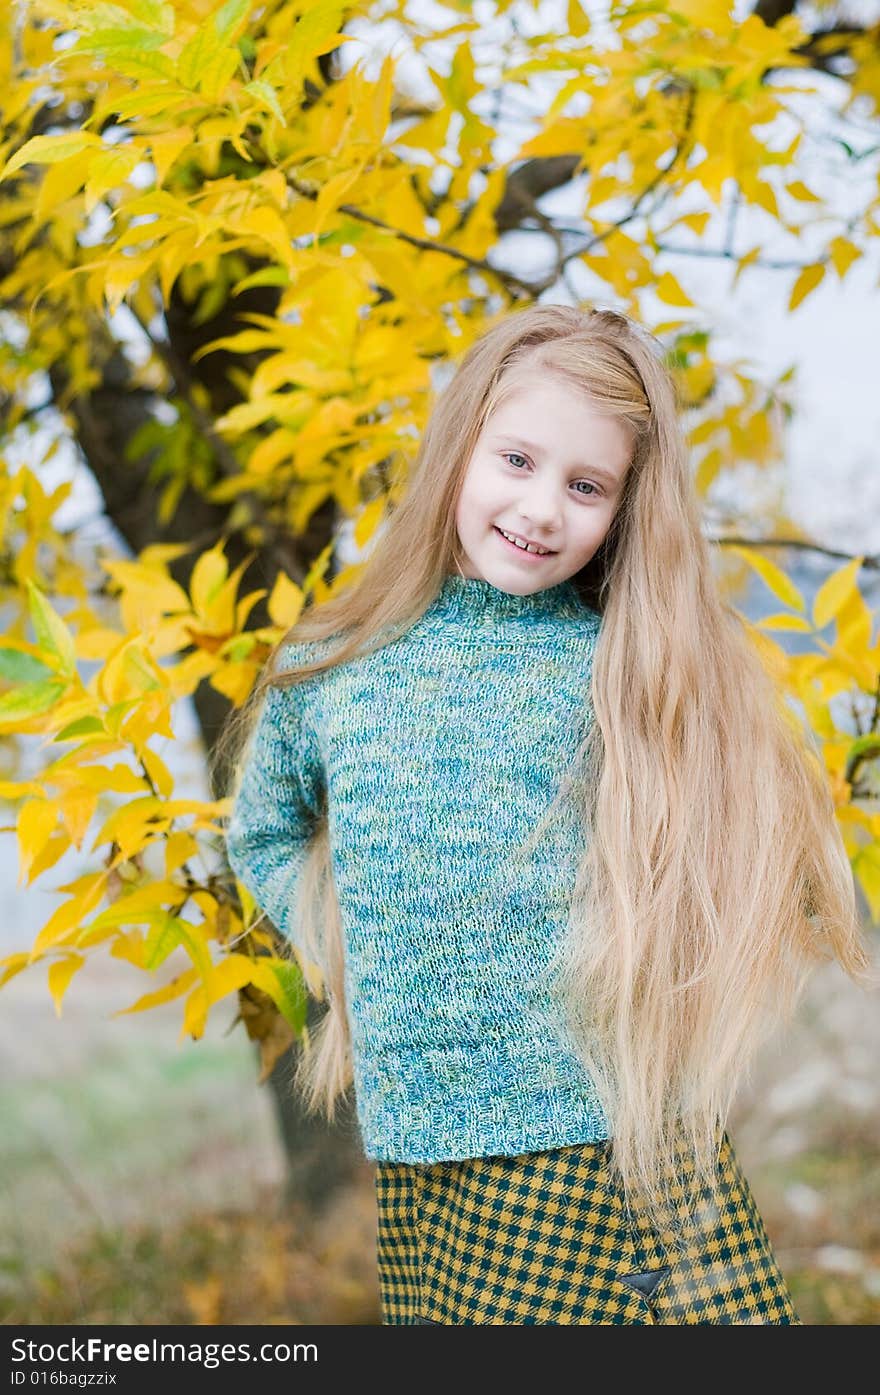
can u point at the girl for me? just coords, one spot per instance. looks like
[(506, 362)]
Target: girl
[(529, 801)]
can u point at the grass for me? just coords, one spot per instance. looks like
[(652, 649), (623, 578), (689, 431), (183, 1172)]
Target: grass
[(268, 1266), (255, 1267)]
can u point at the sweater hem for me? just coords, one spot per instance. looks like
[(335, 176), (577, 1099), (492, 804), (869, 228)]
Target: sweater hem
[(403, 1142)]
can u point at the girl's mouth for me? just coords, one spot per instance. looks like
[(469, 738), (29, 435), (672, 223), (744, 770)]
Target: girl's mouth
[(525, 552)]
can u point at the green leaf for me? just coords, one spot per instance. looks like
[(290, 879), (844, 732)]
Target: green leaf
[(283, 980), (267, 276), (188, 937), (110, 41), (863, 749), (195, 55), (84, 726), (156, 13), (18, 667), (231, 17), (161, 939), (133, 13), (48, 150), (266, 94), (29, 700), (51, 631)]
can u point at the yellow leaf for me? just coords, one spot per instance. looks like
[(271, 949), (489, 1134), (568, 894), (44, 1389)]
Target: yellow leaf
[(368, 521), (800, 191), (854, 624), (108, 170), (179, 846), (866, 866), (785, 622), (708, 469), (807, 281), (46, 150), (68, 916), (234, 681), (230, 974), (129, 673), (278, 445), (195, 1013), (119, 778), (285, 602), (56, 847), (158, 772), (763, 196), (266, 224), (129, 946), (779, 583), (174, 989), (149, 719), (149, 584), (97, 643), (77, 809), (12, 965), (835, 591), (746, 260), (134, 825), (670, 292), (35, 825), (578, 20), (165, 146), (696, 221), (60, 975), (142, 906), (332, 195), (843, 254), (208, 576), (843, 669)]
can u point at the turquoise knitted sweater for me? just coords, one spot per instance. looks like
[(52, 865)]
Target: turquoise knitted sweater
[(434, 757)]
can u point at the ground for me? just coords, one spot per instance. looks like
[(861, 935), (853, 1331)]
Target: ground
[(142, 1175)]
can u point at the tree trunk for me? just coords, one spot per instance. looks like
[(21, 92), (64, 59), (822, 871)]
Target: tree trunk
[(321, 1158)]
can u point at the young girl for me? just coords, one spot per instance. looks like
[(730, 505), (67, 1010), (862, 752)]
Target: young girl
[(527, 797)]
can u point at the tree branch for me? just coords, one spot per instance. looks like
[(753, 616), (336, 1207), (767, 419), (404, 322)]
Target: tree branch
[(427, 244), (870, 561)]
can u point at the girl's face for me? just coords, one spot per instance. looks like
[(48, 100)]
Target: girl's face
[(547, 469)]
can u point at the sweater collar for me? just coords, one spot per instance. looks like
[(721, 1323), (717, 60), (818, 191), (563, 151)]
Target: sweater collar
[(477, 600)]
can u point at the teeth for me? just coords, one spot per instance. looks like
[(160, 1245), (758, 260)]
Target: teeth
[(525, 547)]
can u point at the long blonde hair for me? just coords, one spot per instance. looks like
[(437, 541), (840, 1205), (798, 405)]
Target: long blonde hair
[(714, 875)]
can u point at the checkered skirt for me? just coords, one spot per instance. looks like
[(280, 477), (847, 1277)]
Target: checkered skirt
[(545, 1238)]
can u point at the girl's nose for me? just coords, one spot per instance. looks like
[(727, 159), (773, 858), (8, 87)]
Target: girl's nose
[(540, 511)]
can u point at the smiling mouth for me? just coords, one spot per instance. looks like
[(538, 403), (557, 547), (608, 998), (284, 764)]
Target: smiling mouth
[(533, 549)]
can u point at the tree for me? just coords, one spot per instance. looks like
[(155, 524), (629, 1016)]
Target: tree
[(234, 262)]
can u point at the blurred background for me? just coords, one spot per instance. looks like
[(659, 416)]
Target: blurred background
[(146, 1176)]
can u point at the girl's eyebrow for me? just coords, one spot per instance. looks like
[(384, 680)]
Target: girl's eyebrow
[(534, 449)]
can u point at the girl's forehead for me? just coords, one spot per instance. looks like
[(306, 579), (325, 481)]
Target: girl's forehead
[(516, 391), (547, 406)]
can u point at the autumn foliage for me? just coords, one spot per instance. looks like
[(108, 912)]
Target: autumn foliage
[(202, 151)]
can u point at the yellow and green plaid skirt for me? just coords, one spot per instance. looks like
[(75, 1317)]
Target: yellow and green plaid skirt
[(545, 1238)]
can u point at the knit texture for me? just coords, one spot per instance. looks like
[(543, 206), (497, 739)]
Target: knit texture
[(433, 758)]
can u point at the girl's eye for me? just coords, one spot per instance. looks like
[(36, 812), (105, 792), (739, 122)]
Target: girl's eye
[(512, 455)]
